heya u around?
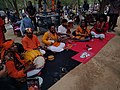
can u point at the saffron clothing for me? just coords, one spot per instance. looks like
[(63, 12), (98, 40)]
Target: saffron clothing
[(82, 34), (50, 40), (12, 70), (6, 46), (49, 36), (30, 44)]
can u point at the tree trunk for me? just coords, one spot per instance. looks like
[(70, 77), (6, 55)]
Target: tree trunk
[(10, 3), (16, 7), (102, 5)]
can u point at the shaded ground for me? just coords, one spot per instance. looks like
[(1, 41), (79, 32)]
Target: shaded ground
[(56, 69), (101, 73)]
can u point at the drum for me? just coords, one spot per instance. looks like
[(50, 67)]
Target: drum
[(31, 55), (39, 63)]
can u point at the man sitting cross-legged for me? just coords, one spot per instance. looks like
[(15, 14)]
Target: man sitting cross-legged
[(100, 28), (82, 33), (51, 38), (31, 42)]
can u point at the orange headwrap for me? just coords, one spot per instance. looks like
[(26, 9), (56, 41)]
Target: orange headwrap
[(6, 46)]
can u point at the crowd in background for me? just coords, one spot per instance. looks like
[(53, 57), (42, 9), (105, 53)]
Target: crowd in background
[(80, 17)]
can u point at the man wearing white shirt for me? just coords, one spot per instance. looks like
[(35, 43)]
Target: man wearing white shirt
[(62, 29)]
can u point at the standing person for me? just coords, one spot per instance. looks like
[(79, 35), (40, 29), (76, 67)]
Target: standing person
[(31, 11), (8, 14), (113, 14), (2, 28), (100, 28), (85, 6), (50, 39)]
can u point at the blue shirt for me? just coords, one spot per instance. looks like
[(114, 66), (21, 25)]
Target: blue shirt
[(26, 23)]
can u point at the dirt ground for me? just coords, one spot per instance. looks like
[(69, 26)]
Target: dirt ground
[(102, 72)]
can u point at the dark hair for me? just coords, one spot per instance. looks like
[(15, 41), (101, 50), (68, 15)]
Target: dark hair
[(23, 15), (64, 21), (85, 23), (29, 2), (103, 16), (49, 26)]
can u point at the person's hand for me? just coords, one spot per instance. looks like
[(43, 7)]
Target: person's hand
[(29, 67), (51, 43)]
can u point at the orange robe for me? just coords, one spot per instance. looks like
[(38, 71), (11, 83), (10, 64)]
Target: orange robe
[(104, 28), (12, 71), (2, 37), (53, 5), (80, 31), (30, 44), (49, 36)]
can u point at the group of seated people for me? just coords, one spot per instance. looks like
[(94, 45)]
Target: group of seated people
[(15, 68)]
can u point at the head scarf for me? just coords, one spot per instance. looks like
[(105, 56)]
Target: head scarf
[(6, 46)]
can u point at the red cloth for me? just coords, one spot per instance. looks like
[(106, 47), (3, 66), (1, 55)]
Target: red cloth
[(105, 27), (83, 60), (2, 37), (96, 45)]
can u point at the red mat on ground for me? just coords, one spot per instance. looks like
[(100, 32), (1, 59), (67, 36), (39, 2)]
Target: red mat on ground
[(96, 45)]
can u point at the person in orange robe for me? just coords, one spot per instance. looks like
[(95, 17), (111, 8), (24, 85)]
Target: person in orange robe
[(16, 67), (2, 36), (31, 42), (50, 39), (82, 32)]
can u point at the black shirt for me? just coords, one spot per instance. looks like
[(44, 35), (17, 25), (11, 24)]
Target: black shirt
[(31, 10)]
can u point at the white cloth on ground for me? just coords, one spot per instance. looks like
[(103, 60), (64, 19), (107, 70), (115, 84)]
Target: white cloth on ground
[(102, 36), (57, 49), (42, 51)]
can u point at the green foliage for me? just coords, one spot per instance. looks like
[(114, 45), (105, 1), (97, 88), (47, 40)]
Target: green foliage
[(72, 2), (20, 3)]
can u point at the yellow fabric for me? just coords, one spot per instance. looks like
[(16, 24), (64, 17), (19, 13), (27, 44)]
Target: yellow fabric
[(49, 36), (31, 55)]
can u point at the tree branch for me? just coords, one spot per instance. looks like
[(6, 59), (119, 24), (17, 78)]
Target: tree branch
[(99, 1), (10, 3)]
